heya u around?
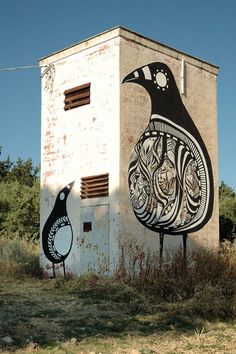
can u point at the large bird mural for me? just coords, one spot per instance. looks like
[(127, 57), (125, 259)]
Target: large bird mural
[(57, 235), (170, 174)]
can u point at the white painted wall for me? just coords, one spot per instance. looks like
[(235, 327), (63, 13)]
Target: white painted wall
[(81, 142), (99, 138)]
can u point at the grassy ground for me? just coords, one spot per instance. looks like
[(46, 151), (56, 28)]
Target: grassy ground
[(101, 316)]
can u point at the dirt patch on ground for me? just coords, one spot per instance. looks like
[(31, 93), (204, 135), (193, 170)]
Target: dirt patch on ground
[(57, 316)]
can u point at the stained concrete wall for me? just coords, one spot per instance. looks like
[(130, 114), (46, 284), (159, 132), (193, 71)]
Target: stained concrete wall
[(201, 102), (99, 138), (82, 142)]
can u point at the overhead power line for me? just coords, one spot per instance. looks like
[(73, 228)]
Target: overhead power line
[(22, 67)]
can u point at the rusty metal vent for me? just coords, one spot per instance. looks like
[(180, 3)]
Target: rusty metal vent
[(95, 186), (77, 96)]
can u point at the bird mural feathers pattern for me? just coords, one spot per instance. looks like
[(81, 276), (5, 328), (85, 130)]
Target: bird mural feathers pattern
[(61, 222), (170, 175), (57, 234), (167, 181)]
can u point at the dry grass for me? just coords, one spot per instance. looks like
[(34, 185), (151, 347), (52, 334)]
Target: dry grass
[(180, 307), (204, 283), (67, 316), (19, 258)]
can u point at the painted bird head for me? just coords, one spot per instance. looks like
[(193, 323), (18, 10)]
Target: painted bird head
[(158, 80), (154, 76), (63, 194)]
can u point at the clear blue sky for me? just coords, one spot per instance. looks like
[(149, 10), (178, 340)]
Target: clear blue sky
[(31, 29)]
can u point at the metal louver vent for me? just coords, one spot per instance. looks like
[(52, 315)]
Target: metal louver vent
[(95, 186), (77, 96)]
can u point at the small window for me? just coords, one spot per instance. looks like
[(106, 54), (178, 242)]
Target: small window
[(95, 186), (77, 96), (87, 226)]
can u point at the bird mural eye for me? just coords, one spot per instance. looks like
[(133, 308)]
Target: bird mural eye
[(170, 174), (57, 234), (161, 80), (62, 195)]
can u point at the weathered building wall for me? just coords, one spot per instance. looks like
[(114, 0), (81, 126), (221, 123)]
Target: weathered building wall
[(91, 235), (201, 103), (82, 142)]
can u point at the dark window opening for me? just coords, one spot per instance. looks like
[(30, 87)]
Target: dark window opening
[(87, 226), (95, 186), (77, 96)]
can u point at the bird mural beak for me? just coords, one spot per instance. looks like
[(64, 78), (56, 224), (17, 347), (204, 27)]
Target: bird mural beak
[(70, 185), (131, 77)]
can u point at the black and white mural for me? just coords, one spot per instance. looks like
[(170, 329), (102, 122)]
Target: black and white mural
[(170, 173), (57, 235)]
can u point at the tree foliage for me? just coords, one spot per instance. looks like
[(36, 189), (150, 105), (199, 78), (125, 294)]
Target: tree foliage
[(5, 168), (19, 202), (20, 171), (19, 199), (226, 191), (227, 210)]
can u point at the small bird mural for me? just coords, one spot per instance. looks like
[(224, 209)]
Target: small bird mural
[(170, 174), (57, 235)]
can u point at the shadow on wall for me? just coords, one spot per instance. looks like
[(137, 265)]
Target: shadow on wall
[(170, 180), (97, 235), (77, 235)]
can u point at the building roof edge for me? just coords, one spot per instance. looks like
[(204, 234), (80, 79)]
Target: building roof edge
[(137, 37)]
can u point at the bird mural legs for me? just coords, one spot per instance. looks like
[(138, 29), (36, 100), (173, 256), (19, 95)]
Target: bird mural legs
[(53, 269), (185, 235), (64, 269), (161, 248), (161, 245), (162, 234)]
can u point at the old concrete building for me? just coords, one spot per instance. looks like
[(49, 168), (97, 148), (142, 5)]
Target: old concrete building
[(129, 153)]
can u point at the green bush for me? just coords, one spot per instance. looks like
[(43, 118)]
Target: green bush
[(19, 200), (19, 211)]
